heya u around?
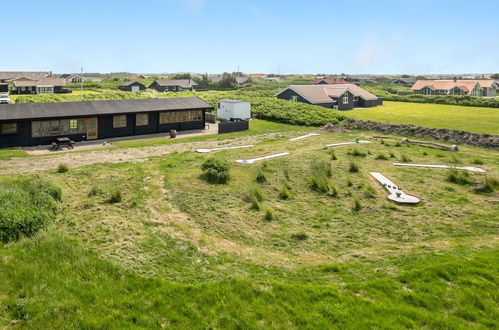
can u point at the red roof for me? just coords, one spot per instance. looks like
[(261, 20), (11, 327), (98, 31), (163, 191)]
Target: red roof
[(466, 85), (330, 81)]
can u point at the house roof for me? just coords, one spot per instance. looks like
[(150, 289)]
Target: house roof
[(184, 83), (232, 101), (9, 75), (317, 94), (466, 85), (128, 83), (104, 107), (330, 80), (406, 80), (41, 82)]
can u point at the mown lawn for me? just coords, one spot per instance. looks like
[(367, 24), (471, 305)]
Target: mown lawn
[(471, 119), (175, 251)]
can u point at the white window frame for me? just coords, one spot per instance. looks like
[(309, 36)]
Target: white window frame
[(345, 98), (119, 122), (294, 98)]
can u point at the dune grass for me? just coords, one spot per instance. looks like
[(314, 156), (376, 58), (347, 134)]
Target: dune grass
[(471, 119)]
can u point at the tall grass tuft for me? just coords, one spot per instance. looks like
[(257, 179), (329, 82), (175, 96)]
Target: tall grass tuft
[(28, 204), (62, 168), (260, 176), (458, 177), (353, 167), (284, 192), (356, 153), (381, 156), (356, 205)]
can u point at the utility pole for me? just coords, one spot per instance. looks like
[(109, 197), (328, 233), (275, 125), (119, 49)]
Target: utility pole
[(237, 75), (81, 83)]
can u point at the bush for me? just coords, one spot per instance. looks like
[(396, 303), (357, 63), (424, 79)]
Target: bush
[(357, 206), (216, 171), (353, 168), (260, 176), (28, 205), (62, 168), (455, 176), (284, 193), (115, 197), (95, 191), (300, 236), (356, 153), (269, 214)]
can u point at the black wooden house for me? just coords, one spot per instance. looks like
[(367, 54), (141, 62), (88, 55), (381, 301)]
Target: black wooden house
[(132, 86), (31, 124)]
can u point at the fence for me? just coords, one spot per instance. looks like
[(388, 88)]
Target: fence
[(233, 126)]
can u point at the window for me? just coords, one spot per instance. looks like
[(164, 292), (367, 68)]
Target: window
[(294, 98), (119, 121), (355, 98), (345, 98), (8, 128), (180, 116), (57, 127), (142, 119)]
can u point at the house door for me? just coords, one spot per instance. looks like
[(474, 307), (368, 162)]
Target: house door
[(92, 129)]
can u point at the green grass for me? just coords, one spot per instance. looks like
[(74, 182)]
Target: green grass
[(9, 153), (176, 251), (472, 119)]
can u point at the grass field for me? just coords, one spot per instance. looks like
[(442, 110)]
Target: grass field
[(471, 119), (178, 252)]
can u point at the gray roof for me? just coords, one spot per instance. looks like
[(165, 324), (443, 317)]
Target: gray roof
[(128, 83), (184, 83), (4, 75), (90, 108), (232, 101)]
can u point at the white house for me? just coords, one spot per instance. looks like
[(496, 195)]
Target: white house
[(234, 109)]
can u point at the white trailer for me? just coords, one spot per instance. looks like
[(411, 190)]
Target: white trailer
[(233, 109)]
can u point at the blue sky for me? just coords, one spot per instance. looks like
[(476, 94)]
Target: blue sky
[(314, 36)]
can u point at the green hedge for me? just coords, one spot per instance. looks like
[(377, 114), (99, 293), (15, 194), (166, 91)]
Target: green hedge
[(29, 203)]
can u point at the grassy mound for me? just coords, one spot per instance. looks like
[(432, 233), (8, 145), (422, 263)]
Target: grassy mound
[(28, 205)]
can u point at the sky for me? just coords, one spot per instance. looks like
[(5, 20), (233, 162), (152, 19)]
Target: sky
[(259, 36)]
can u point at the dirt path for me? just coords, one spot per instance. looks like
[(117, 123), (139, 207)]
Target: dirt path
[(31, 164)]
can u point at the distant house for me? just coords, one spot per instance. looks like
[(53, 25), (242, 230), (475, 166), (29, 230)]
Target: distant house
[(244, 80), (132, 86), (359, 79), (274, 79), (256, 75), (176, 85), (40, 86), (404, 81), (485, 88), (335, 96), (9, 76), (137, 76), (325, 81), (72, 78)]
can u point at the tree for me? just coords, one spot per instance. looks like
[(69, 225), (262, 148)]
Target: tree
[(202, 81), (228, 81), (495, 76), (181, 76)]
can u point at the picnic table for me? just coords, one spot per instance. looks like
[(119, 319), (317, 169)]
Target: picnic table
[(61, 142)]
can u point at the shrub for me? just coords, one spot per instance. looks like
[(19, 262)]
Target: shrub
[(301, 236), (260, 176), (333, 155), (62, 168), (357, 206), (115, 197), (405, 159), (216, 171), (455, 176), (356, 153), (381, 156), (285, 171), (321, 167), (353, 168), (487, 186), (28, 205), (284, 192), (269, 214), (95, 191)]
